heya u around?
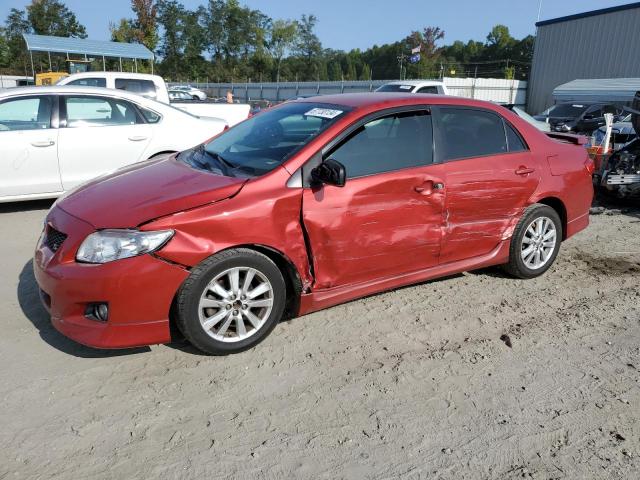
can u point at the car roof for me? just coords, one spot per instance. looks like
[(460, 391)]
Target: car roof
[(76, 89), (415, 83), (140, 76), (391, 99)]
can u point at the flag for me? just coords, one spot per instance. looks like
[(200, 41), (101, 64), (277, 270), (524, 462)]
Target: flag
[(414, 58), (416, 50)]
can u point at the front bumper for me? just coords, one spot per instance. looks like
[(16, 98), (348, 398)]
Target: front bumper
[(138, 291)]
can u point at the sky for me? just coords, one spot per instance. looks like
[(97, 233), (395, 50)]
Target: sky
[(347, 24)]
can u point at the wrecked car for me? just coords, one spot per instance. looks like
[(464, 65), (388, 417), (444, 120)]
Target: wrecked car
[(621, 172), (310, 204)]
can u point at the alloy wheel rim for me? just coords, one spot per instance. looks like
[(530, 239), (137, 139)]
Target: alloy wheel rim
[(538, 243), (236, 304)]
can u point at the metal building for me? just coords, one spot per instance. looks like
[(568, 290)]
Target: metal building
[(599, 44)]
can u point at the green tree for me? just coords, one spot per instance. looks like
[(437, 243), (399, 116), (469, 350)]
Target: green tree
[(335, 71), (283, 38), (122, 31), (145, 25), (365, 74), (171, 16), (308, 45), (4, 49), (15, 25), (52, 17)]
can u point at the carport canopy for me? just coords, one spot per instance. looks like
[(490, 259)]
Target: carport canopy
[(80, 46)]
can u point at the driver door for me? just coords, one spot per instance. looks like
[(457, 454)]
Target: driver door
[(387, 219)]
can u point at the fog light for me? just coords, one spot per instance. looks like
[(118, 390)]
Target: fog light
[(97, 311)]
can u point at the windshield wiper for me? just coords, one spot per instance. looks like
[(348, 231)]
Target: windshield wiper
[(220, 158), (222, 164)]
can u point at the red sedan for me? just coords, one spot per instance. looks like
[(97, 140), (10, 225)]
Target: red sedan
[(307, 205)]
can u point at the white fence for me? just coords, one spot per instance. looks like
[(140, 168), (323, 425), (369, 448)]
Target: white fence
[(490, 89)]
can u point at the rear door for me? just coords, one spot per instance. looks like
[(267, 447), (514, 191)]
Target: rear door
[(98, 135), (387, 219), (489, 174), (28, 140)]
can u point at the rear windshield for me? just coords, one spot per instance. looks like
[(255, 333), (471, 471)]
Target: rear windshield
[(396, 88), (261, 143), (568, 110)]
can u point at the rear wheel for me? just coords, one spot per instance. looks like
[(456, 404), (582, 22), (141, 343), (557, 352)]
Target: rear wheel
[(535, 242), (231, 302)]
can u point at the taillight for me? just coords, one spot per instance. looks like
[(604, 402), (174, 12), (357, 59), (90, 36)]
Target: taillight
[(590, 166)]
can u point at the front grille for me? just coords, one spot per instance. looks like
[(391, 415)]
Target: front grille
[(53, 238)]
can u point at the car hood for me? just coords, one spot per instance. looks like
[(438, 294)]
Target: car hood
[(145, 191)]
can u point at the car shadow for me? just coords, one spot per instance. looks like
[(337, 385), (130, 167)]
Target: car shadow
[(26, 206), (29, 301)]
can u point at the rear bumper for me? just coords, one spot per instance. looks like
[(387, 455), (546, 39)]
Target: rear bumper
[(139, 292)]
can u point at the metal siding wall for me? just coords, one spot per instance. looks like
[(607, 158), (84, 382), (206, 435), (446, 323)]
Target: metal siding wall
[(603, 46)]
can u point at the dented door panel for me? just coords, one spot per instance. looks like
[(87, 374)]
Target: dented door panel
[(485, 196), (376, 226)]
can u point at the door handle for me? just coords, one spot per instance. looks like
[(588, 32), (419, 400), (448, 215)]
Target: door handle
[(428, 187), (522, 170), (139, 138), (43, 143)]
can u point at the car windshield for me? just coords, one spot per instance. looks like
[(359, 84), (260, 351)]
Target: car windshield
[(568, 110), (261, 143), (395, 87)]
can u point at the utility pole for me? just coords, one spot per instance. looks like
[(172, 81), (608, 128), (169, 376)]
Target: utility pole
[(401, 58), (539, 9)]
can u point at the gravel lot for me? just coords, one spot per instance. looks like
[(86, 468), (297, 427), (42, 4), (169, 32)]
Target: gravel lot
[(415, 383)]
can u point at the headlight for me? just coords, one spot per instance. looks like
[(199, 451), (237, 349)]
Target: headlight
[(109, 245)]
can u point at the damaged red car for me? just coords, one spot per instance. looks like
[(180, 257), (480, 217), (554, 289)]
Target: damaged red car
[(312, 203)]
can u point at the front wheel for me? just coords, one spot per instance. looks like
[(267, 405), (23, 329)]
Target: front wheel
[(535, 242), (231, 301)]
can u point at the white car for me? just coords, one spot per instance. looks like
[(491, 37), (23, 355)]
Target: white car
[(543, 126), (54, 138), (196, 94), (150, 86), (415, 86)]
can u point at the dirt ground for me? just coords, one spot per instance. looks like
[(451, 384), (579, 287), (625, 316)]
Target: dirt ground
[(414, 383)]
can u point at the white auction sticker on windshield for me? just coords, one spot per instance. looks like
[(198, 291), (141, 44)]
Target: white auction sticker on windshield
[(323, 113), (405, 87)]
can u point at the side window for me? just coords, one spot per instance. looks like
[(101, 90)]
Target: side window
[(466, 133), (401, 140), (149, 116), (98, 112), (146, 88), (516, 144), (33, 113), (610, 109), (89, 82), (431, 89)]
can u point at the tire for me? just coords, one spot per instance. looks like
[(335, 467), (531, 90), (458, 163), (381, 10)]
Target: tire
[(218, 314), (525, 236), (196, 98)]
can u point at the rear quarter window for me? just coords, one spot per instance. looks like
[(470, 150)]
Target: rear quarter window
[(142, 87)]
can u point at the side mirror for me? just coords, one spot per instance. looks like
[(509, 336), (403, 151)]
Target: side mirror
[(329, 172)]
